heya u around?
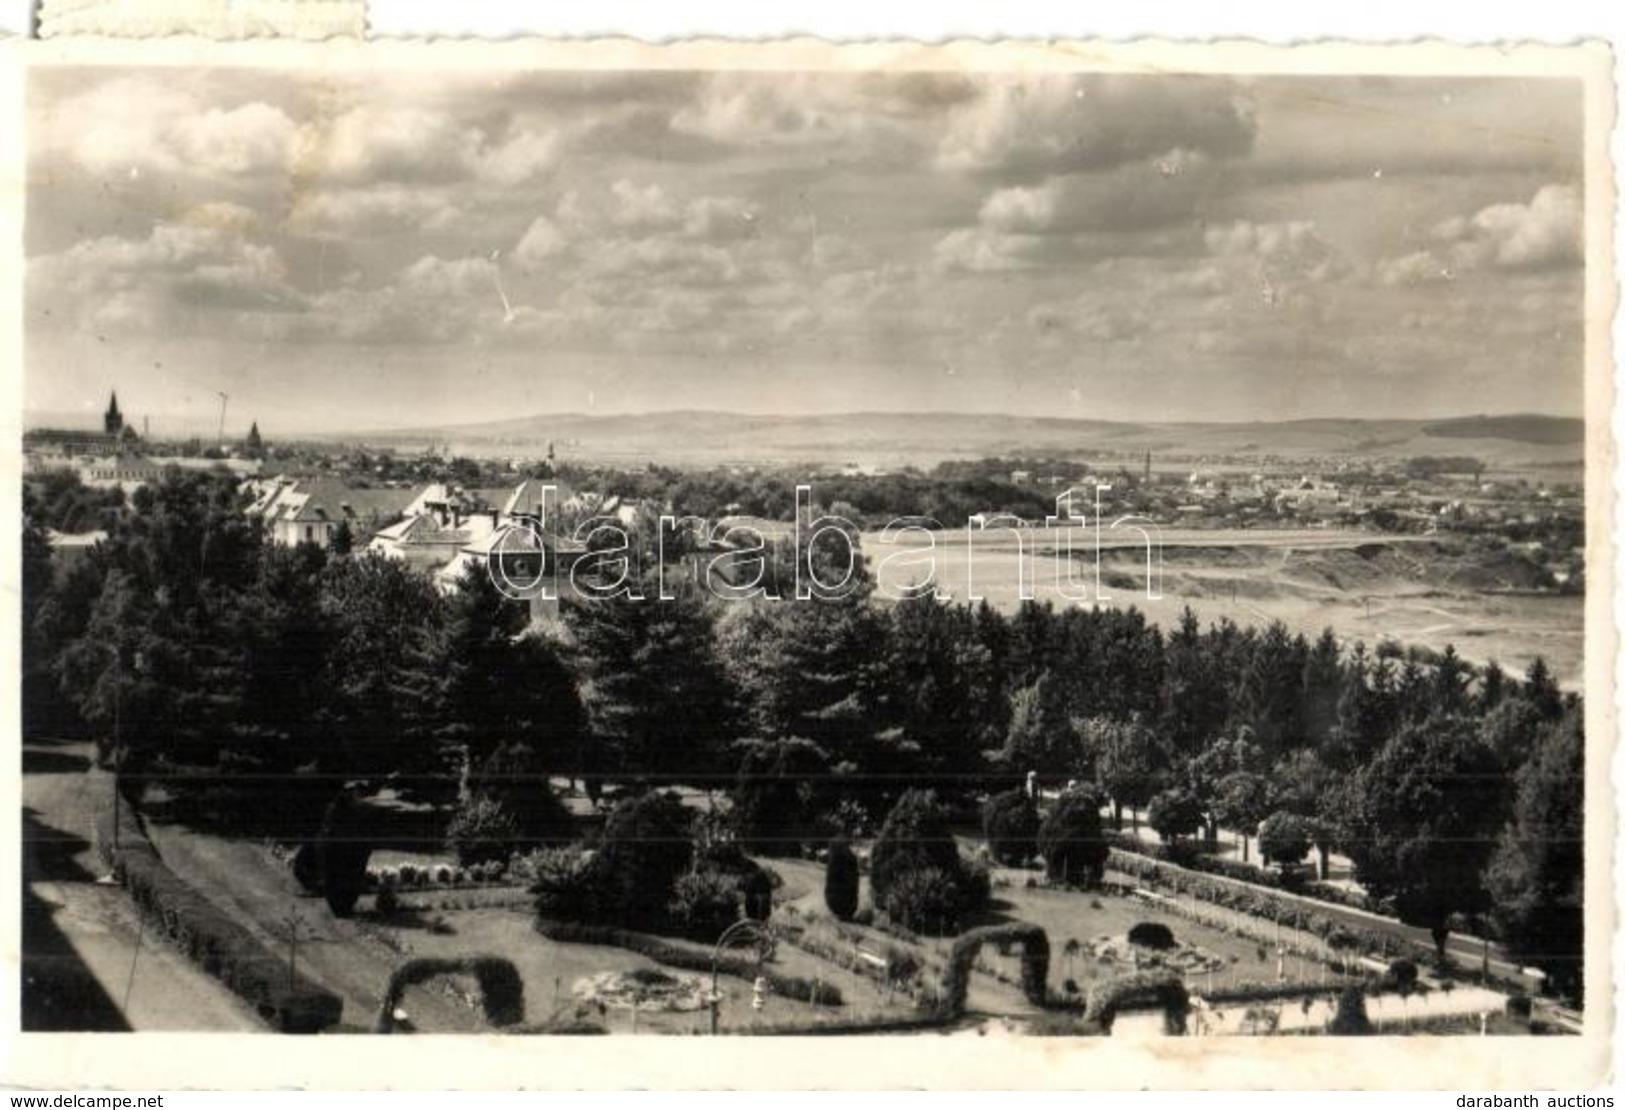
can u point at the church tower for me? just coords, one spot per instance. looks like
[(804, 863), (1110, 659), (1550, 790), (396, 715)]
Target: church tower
[(113, 420)]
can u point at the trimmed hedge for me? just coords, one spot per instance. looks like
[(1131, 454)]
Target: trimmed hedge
[(962, 958), (1242, 872), (502, 992), (207, 936), (1158, 987), (663, 951), (1255, 902)]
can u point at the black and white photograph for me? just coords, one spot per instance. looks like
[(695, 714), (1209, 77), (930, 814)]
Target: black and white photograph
[(883, 543)]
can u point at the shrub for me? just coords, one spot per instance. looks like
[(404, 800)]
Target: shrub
[(704, 903), (342, 853), (514, 777), (1152, 934), (1010, 824), (841, 881), (482, 830), (561, 879), (1350, 1019), (642, 852), (752, 882), (442, 875), (928, 900), (386, 901), (1072, 840)]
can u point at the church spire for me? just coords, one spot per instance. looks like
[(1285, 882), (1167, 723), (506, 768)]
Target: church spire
[(113, 421)]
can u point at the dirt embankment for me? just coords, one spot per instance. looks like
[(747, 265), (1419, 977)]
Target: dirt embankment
[(1375, 569)]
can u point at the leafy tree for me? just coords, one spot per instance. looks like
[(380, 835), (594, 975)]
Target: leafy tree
[(1536, 878), (1010, 824), (1175, 814), (1421, 821), (1072, 841), (841, 881), (1284, 838), (1306, 786), (1129, 764), (1242, 801), (1041, 737)]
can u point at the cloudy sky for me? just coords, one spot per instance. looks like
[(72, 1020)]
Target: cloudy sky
[(405, 248)]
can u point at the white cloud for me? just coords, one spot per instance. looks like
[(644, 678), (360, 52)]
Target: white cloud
[(1059, 125), (1545, 234), (1020, 209), (371, 211), (980, 250), (542, 241)]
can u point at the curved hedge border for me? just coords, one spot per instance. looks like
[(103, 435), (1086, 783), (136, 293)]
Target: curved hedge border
[(665, 952), (1159, 987), (962, 958), (502, 992), (207, 936)]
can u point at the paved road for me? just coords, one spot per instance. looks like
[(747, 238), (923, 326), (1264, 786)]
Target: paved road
[(88, 964)]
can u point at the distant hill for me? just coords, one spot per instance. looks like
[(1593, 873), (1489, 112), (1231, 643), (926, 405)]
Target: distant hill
[(1521, 429), (883, 438)]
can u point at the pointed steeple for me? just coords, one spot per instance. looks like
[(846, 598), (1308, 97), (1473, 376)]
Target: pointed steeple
[(113, 420)]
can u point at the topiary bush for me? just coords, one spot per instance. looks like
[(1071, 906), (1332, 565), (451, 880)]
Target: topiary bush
[(915, 870), (481, 830), (841, 881), (1152, 934), (342, 854), (1010, 825), (1073, 841)]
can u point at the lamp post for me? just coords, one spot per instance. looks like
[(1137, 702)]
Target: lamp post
[(742, 931)]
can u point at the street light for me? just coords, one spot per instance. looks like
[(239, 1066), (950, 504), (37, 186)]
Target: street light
[(744, 931)]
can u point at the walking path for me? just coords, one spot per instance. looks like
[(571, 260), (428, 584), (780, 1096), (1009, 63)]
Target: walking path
[(88, 964)]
